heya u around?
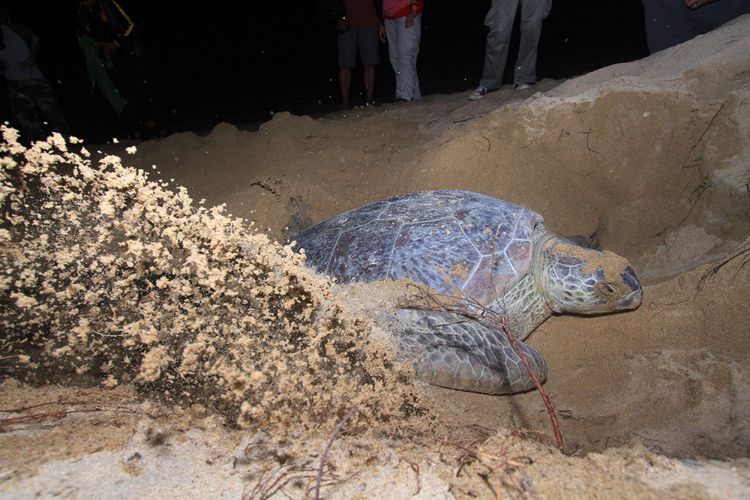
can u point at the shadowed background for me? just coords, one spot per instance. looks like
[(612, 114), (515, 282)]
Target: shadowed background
[(241, 62)]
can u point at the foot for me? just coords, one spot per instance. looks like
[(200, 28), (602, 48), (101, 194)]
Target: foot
[(522, 86), (478, 93)]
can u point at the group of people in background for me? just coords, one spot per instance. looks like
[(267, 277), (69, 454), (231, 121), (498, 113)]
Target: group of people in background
[(360, 24), (398, 22), (113, 56)]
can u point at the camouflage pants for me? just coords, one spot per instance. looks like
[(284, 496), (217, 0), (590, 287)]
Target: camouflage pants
[(33, 103)]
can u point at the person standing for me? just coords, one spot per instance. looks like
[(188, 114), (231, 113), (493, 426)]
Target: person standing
[(403, 27), (671, 22), (499, 20), (114, 59), (30, 95), (359, 29)]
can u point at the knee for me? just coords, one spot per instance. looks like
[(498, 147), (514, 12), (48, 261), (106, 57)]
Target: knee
[(498, 37)]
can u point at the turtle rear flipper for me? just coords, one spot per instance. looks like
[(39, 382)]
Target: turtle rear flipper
[(454, 351)]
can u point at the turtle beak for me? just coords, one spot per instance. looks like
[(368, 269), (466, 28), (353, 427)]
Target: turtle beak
[(635, 297)]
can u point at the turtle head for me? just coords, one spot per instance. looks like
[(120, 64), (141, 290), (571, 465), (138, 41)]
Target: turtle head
[(579, 280)]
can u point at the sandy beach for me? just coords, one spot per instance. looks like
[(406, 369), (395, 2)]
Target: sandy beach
[(159, 347)]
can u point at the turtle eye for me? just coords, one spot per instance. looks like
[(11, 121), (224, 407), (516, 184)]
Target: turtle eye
[(605, 288)]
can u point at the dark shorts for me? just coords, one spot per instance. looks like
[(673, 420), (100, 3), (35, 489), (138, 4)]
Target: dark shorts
[(366, 38), (669, 22)]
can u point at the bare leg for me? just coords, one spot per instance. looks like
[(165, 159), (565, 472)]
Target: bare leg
[(345, 80), (369, 80)]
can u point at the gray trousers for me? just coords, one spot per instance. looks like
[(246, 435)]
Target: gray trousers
[(403, 48), (500, 22)]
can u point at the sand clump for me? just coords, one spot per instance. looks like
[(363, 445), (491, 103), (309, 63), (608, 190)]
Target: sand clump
[(110, 278)]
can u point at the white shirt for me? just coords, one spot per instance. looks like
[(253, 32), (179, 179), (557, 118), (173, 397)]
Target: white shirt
[(15, 52)]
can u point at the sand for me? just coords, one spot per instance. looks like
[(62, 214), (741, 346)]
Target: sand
[(652, 157)]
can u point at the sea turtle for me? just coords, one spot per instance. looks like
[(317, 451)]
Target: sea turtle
[(485, 253)]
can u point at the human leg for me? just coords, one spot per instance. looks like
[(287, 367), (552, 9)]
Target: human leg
[(369, 77), (403, 48), (49, 107), (345, 83), (392, 34), (415, 39), (347, 48), (533, 13), (24, 109), (369, 52), (499, 20)]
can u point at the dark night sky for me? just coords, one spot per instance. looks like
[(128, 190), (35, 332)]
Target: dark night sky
[(238, 61)]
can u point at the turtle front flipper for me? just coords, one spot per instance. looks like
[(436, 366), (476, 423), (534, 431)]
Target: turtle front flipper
[(454, 351)]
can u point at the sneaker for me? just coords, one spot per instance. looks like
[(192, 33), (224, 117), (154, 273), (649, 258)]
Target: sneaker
[(522, 86), (478, 93)]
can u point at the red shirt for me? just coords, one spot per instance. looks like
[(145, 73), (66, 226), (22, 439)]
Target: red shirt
[(394, 9), (361, 13)]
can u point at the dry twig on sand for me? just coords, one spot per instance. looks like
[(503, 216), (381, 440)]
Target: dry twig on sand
[(428, 300), (92, 401), (324, 458), (415, 468), (55, 415), (507, 470), (714, 269), (545, 397), (504, 465), (270, 483)]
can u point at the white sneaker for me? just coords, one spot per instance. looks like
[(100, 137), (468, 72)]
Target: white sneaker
[(478, 93), (522, 86)]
